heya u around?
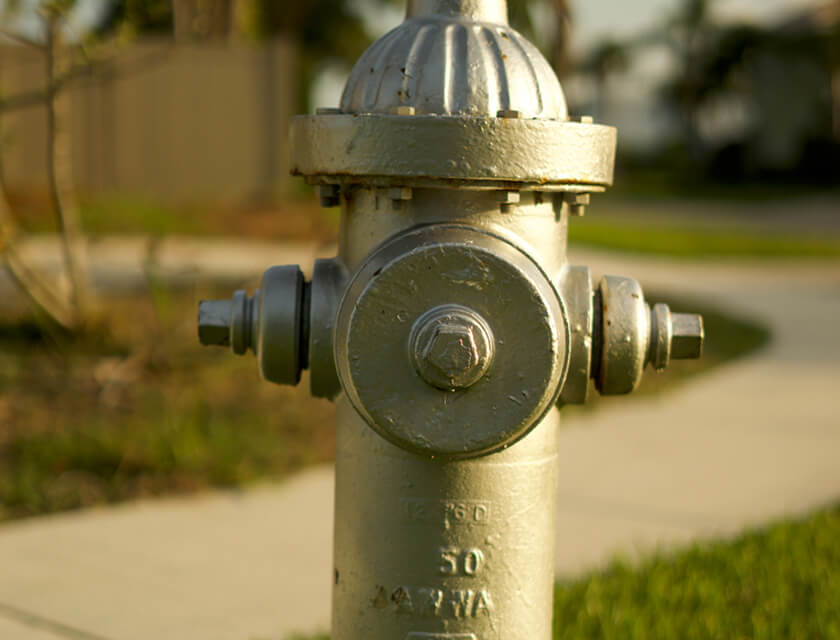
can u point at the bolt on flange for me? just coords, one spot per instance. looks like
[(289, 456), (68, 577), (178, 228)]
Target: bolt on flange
[(451, 347)]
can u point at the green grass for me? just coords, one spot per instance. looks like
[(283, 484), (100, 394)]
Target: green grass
[(778, 583), (650, 183), (141, 409), (781, 583), (301, 218), (295, 218), (688, 242), (125, 214)]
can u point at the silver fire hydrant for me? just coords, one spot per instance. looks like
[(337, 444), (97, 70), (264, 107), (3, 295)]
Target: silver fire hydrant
[(450, 329)]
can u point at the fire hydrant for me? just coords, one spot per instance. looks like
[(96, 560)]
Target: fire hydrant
[(450, 329)]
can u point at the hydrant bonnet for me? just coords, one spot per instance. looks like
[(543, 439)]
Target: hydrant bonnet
[(455, 57)]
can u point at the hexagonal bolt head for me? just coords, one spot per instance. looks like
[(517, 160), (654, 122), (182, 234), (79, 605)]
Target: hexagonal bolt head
[(226, 323), (507, 199), (673, 336), (577, 203), (330, 195), (214, 322), (452, 349), (687, 337)]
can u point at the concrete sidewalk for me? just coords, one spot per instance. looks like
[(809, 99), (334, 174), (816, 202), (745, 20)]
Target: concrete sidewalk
[(744, 445), (125, 264)]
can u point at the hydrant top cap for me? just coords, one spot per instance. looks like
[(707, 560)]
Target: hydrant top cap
[(454, 58), (481, 10)]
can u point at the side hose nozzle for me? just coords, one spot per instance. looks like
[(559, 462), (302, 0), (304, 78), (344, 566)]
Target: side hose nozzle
[(287, 324), (272, 323), (630, 335)]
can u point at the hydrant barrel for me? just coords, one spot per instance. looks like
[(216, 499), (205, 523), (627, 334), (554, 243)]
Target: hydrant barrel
[(450, 329), (433, 549)]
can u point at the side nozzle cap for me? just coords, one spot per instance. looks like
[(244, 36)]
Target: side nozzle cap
[(633, 335), (274, 324)]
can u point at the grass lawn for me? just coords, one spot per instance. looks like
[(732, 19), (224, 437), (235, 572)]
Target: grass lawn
[(780, 583), (687, 241), (685, 234), (140, 408)]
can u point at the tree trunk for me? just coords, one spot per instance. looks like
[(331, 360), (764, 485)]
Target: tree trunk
[(560, 56), (60, 180), (202, 20)]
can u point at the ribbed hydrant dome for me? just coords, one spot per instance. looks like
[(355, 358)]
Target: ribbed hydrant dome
[(455, 58)]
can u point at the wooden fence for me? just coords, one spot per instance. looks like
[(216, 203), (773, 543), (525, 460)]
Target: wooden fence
[(175, 123)]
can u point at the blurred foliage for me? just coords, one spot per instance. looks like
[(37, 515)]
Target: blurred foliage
[(778, 77), (298, 219), (779, 583), (134, 17), (323, 30), (334, 30), (137, 407)]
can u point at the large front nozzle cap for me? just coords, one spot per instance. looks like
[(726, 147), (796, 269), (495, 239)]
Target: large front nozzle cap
[(451, 342), (631, 335)]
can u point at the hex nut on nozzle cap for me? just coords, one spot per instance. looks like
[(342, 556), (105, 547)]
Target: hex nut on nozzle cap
[(214, 322), (674, 336), (688, 336), (273, 324), (452, 347), (227, 322)]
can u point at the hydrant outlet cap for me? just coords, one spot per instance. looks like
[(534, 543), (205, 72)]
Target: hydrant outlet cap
[(451, 342)]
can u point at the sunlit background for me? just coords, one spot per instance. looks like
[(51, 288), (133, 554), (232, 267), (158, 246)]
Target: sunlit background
[(144, 166)]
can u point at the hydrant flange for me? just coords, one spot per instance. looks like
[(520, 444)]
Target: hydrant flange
[(481, 151)]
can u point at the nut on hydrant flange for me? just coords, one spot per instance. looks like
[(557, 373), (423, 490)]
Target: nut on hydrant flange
[(450, 329)]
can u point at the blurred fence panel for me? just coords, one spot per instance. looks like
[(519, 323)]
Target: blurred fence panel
[(185, 123)]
